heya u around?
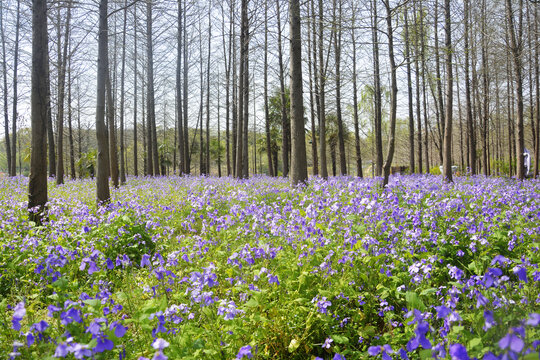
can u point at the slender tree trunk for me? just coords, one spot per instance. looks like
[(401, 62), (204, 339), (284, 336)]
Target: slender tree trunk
[(4, 72), (122, 99), (418, 100), (266, 110), (285, 148), (537, 80), (393, 94), (298, 156), (440, 106), (424, 95), (153, 158), (14, 118), (485, 85), (103, 194), (113, 152), (181, 153), (313, 62), (62, 63), (359, 170), (516, 47), (135, 99), (227, 55), (245, 153), (337, 54), (470, 124), (208, 96), (377, 91), (447, 152), (185, 79), (322, 80), (410, 93), (70, 118), (37, 187)]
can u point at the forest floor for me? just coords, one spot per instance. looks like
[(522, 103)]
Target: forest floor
[(220, 268)]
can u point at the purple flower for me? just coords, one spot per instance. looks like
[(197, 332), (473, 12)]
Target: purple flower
[(327, 343), (159, 356), (61, 350), (145, 261), (18, 315), (534, 319), (244, 351), (521, 272), (103, 344), (512, 341), (338, 357), (160, 344), (29, 339), (442, 311), (458, 352), (80, 351), (119, 330), (40, 326), (489, 321), (403, 354), (374, 350)]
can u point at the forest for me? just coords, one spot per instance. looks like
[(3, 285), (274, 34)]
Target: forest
[(344, 179)]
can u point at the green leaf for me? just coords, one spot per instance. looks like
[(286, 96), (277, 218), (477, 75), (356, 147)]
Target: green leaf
[(532, 356), (294, 344), (340, 339), (425, 354), (92, 302), (475, 342), (413, 301), (252, 303)]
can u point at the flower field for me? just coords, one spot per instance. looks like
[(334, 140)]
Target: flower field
[(208, 268)]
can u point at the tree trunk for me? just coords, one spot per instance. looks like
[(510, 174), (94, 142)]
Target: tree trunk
[(377, 91), (4, 72), (537, 80), (447, 152), (393, 95), (70, 118), (62, 63), (285, 147), (410, 93), (207, 152), (266, 110), (185, 93), (103, 194), (13, 170), (315, 80), (179, 109), (113, 152), (135, 99), (440, 106), (516, 47), (122, 99), (470, 124), (359, 170), (418, 100), (37, 187), (322, 80), (298, 156), (337, 54)]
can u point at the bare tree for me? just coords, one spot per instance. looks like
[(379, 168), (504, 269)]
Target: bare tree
[(102, 178), (14, 117), (447, 152), (37, 187), (298, 157), (516, 48)]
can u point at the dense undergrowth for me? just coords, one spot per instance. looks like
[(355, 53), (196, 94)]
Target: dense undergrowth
[(208, 268)]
